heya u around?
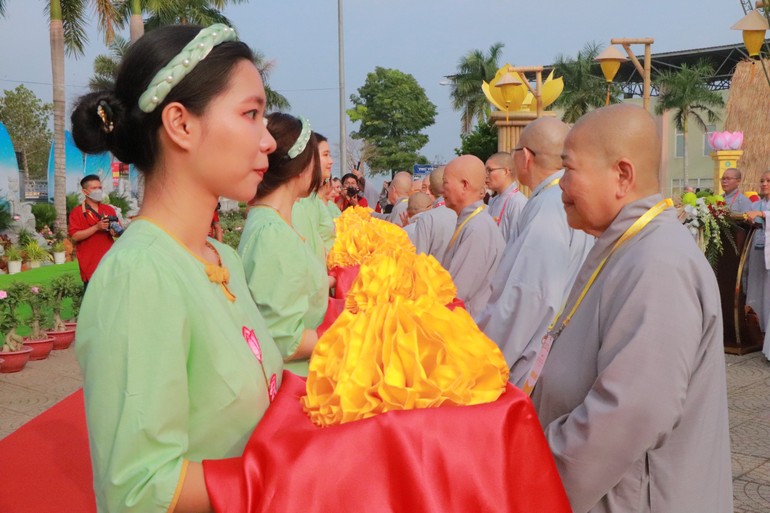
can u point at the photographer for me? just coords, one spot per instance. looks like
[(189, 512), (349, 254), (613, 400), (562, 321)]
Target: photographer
[(351, 194), (92, 226)]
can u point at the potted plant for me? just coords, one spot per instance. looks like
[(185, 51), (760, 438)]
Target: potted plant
[(58, 252), (35, 254), (38, 340), (15, 355), (77, 300), (14, 255), (62, 287)]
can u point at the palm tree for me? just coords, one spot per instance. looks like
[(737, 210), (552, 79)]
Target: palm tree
[(584, 90), (106, 66), (275, 100), (686, 92), (466, 93)]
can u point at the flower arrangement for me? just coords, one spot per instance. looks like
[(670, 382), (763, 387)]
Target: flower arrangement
[(707, 217)]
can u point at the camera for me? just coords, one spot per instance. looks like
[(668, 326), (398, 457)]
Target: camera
[(114, 224), (352, 191)]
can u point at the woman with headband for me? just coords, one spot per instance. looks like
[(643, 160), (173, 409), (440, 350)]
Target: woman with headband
[(179, 365), (287, 281)]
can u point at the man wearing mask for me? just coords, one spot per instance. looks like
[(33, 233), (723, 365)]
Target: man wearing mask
[(92, 227)]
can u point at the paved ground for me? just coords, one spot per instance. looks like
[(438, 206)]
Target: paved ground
[(39, 386)]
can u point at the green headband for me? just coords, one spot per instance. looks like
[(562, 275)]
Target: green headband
[(184, 62), (301, 143)]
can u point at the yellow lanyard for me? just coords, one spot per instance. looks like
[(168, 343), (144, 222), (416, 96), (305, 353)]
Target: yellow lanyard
[(462, 225), (635, 228)]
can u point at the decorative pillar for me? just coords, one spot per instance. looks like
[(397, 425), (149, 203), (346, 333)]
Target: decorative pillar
[(723, 160)]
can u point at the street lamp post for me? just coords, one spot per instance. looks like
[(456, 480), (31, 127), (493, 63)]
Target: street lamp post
[(644, 71), (754, 26), (343, 128), (610, 60)]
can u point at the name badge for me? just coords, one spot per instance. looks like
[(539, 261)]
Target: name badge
[(537, 366)]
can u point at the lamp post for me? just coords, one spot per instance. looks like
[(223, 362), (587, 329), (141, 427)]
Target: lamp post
[(343, 128), (644, 71), (610, 60), (753, 26)]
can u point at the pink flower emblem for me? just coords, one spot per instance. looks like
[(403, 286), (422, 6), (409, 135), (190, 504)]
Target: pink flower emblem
[(3, 294), (272, 390), (251, 340), (35, 290)]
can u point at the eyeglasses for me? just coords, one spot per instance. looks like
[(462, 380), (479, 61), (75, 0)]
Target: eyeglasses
[(525, 148), (489, 171)]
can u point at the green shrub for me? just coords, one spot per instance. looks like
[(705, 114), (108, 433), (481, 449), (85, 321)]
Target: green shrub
[(120, 201), (5, 216), (25, 237), (73, 200), (45, 215)]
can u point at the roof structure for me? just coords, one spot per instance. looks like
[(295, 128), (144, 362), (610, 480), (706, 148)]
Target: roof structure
[(723, 59)]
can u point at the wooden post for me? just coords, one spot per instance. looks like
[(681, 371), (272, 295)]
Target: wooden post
[(645, 70)]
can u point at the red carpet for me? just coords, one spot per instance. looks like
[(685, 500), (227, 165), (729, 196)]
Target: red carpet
[(45, 466)]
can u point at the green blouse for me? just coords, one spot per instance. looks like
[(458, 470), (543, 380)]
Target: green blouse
[(311, 217), (173, 370), (288, 283)]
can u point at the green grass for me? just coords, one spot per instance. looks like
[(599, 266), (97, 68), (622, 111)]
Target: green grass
[(41, 276)]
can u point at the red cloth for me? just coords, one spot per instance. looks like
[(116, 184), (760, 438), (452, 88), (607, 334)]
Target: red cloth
[(345, 277), (484, 458), (46, 464), (333, 310), (90, 250)]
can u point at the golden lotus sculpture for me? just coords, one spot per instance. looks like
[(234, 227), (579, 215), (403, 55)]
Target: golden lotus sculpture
[(523, 99)]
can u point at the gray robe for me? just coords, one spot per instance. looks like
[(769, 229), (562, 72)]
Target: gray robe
[(473, 258), (505, 209), (738, 202), (433, 230), (395, 214), (534, 277), (409, 228), (758, 274), (633, 396)]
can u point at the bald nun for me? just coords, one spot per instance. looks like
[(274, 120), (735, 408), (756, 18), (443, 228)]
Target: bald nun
[(632, 395), (476, 245), (434, 228), (543, 256), (398, 195), (418, 204)]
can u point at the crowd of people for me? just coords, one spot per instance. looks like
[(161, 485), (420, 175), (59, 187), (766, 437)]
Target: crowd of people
[(604, 308)]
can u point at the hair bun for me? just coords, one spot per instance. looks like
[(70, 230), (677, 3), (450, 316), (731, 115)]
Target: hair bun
[(94, 120)]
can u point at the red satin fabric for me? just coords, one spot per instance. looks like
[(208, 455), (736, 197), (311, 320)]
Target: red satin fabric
[(485, 458), (345, 277), (456, 303), (333, 310)]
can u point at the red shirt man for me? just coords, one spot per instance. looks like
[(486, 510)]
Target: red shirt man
[(89, 227)]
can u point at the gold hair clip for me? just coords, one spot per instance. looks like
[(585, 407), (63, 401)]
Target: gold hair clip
[(104, 112)]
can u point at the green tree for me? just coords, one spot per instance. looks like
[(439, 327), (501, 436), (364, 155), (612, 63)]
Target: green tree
[(392, 109), (686, 92), (584, 89), (466, 94), (482, 141), (67, 31), (106, 66), (26, 117)]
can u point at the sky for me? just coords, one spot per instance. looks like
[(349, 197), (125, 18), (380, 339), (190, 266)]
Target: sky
[(425, 38)]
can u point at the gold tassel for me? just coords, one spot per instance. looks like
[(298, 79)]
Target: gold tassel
[(220, 275)]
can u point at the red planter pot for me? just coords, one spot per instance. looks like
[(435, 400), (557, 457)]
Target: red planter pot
[(14, 361), (61, 339), (70, 325), (1, 363), (40, 348)]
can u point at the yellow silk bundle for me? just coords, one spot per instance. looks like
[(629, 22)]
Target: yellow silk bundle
[(360, 236), (396, 346)]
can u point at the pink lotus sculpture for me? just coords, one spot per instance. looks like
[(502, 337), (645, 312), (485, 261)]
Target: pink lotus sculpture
[(726, 140)]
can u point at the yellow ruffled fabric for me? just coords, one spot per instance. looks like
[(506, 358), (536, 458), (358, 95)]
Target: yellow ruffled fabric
[(361, 236), (396, 346)]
